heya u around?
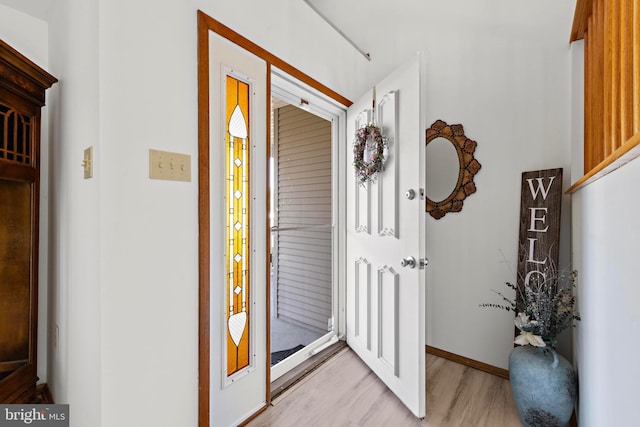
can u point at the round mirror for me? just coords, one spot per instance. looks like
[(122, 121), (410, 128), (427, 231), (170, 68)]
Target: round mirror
[(443, 169), (451, 168)]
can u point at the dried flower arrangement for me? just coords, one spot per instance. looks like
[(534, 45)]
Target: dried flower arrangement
[(545, 306)]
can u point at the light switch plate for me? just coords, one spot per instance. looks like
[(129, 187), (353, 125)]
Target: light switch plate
[(169, 166), (87, 163)]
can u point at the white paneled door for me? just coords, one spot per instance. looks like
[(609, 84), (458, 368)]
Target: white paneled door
[(385, 232)]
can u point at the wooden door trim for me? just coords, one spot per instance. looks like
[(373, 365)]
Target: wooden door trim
[(481, 366), (217, 27), (206, 24)]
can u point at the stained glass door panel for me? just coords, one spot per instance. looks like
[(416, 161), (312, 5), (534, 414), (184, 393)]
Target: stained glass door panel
[(237, 204)]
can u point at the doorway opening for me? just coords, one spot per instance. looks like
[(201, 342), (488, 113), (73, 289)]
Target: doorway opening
[(304, 297)]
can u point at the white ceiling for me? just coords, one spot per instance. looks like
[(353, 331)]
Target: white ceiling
[(393, 30), (37, 8), (370, 22)]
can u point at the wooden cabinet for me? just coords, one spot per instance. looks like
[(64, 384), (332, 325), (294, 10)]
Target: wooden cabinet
[(22, 88)]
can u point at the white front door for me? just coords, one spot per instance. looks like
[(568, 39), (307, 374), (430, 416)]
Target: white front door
[(386, 296)]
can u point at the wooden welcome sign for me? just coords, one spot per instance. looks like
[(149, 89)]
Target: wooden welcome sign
[(539, 241)]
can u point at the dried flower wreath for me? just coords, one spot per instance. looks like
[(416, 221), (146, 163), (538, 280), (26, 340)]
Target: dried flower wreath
[(368, 153)]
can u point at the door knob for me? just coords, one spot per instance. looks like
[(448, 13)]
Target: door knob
[(408, 262), (410, 194)]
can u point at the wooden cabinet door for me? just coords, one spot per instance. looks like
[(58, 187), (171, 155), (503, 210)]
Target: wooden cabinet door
[(22, 86)]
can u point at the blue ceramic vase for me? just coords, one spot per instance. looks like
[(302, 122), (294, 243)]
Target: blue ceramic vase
[(543, 385)]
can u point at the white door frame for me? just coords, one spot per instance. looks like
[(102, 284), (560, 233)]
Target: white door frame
[(208, 350), (290, 89)]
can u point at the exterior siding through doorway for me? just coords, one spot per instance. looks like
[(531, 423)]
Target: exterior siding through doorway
[(303, 202)]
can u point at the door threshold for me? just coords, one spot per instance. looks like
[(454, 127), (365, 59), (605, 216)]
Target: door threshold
[(305, 368)]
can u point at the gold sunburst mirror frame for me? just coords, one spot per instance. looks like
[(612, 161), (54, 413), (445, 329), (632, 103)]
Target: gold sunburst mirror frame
[(468, 168)]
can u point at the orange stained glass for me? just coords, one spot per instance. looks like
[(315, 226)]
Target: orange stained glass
[(237, 224)]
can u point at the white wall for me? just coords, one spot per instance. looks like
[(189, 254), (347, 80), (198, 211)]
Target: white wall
[(605, 252), (75, 235), (126, 247), (508, 83), (28, 35), (149, 251)]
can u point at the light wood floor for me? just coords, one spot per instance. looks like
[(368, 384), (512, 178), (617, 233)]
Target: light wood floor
[(344, 392)]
